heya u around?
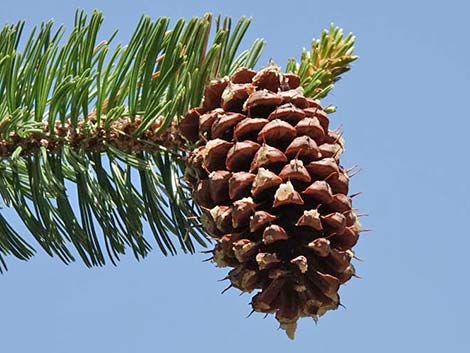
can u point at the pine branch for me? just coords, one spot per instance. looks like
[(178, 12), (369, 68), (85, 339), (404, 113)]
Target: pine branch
[(95, 120), (91, 117), (329, 57)]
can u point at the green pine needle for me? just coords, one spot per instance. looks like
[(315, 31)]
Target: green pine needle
[(329, 57), (84, 84)]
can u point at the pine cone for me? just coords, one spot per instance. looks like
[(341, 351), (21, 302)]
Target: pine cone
[(268, 179)]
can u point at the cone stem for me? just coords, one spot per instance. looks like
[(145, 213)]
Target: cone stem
[(89, 136)]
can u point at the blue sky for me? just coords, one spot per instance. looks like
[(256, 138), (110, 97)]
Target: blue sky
[(403, 110)]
